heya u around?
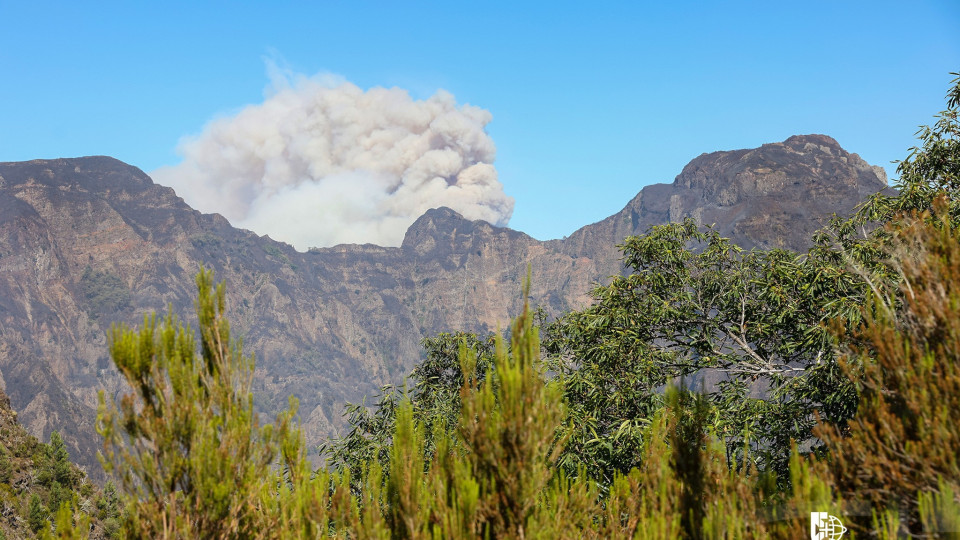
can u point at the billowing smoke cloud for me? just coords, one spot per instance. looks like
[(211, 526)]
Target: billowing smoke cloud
[(322, 162)]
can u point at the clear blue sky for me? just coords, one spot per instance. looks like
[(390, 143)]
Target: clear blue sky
[(590, 100)]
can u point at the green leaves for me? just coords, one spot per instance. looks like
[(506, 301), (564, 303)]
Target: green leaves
[(186, 444), (435, 398), (901, 448), (37, 514), (508, 427), (748, 327)]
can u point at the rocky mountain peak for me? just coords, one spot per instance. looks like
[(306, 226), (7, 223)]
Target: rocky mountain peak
[(812, 165), (442, 230), (776, 195), (100, 173), (436, 227), (825, 142), (434, 219)]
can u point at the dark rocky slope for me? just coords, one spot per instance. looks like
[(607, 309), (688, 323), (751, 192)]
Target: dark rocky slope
[(774, 196), (90, 241)]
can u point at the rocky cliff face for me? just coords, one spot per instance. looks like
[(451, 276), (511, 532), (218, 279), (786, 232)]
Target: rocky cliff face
[(775, 196), (91, 241)]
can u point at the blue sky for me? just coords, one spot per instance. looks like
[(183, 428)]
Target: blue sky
[(590, 101)]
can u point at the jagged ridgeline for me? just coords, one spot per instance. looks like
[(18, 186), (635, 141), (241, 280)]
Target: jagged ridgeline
[(91, 241)]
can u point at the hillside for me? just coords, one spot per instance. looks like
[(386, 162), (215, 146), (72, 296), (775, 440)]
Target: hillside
[(87, 242), (37, 473)]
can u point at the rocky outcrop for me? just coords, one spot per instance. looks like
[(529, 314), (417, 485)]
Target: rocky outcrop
[(88, 242), (775, 196)]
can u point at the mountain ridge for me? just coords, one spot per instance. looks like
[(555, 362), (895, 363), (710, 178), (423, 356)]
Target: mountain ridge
[(85, 242)]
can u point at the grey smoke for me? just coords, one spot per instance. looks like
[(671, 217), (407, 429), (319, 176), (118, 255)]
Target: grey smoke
[(322, 162)]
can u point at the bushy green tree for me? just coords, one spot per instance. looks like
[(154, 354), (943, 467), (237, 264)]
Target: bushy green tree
[(186, 444), (434, 392), (59, 457), (38, 515), (903, 445), (748, 326)]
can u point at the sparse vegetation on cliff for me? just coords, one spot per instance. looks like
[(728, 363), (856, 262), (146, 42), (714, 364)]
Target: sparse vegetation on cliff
[(105, 291)]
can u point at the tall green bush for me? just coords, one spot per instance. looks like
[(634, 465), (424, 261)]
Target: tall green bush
[(185, 444), (903, 445)]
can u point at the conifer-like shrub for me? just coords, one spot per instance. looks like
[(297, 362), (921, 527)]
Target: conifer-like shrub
[(901, 452), (185, 444)]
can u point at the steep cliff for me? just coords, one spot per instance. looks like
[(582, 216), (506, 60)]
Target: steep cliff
[(88, 242)]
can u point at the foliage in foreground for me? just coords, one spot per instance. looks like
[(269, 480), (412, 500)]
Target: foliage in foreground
[(195, 464), (751, 327), (747, 327), (901, 453), (185, 445)]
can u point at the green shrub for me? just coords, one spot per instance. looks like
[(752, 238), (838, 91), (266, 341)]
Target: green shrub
[(37, 514), (105, 292), (6, 467)]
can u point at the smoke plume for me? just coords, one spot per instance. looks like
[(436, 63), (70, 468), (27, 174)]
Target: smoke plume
[(322, 162)]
